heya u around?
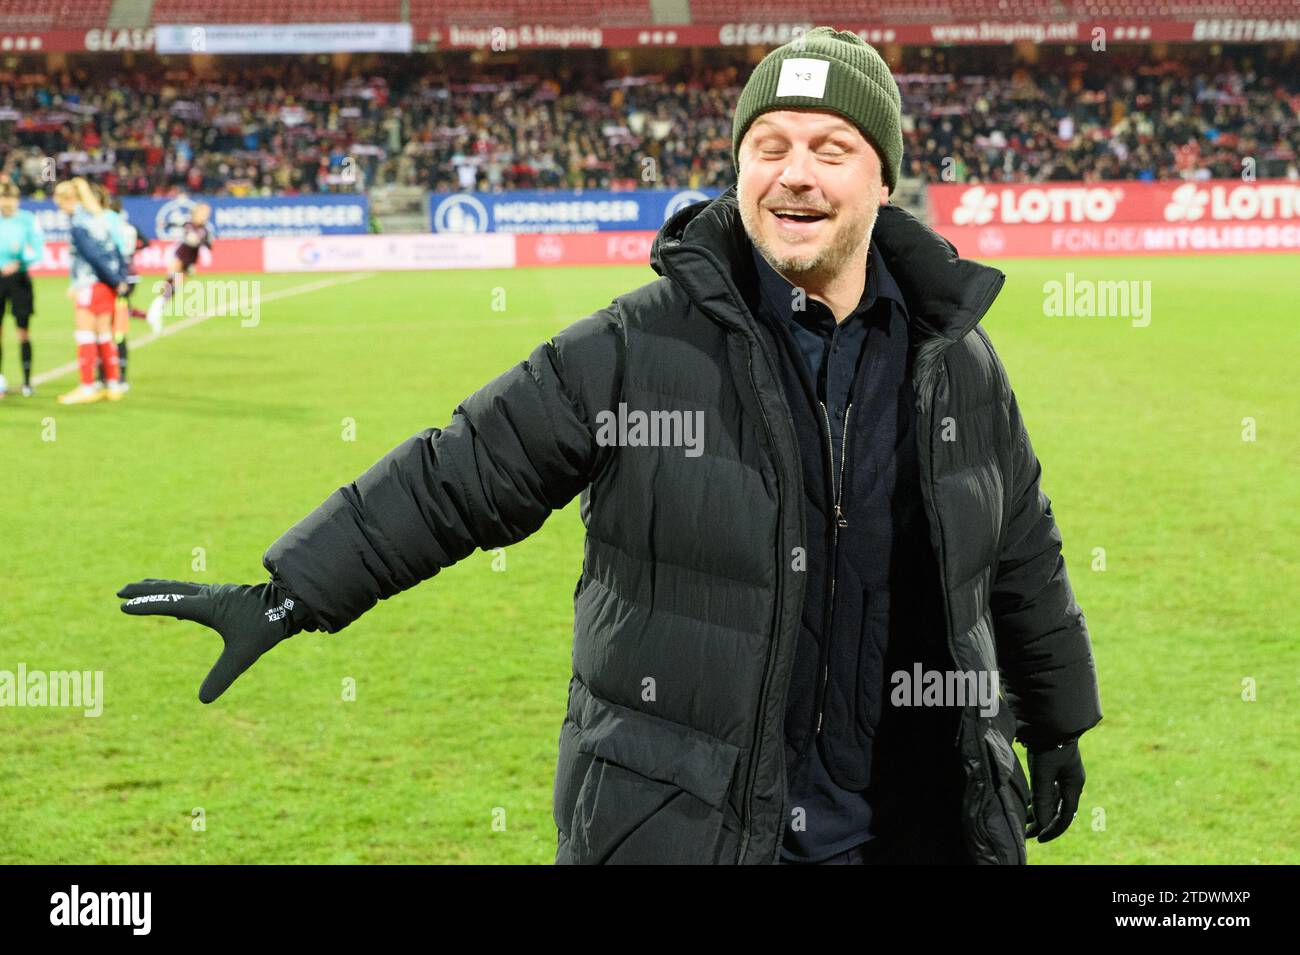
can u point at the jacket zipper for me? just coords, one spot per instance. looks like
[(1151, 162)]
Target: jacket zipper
[(840, 521)]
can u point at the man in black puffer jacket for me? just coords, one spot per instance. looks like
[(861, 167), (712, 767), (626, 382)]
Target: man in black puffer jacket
[(804, 477)]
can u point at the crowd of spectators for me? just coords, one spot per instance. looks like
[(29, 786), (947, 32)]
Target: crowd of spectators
[(1148, 122), (284, 129)]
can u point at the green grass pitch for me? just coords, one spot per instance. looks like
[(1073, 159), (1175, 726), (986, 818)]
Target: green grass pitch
[(232, 433)]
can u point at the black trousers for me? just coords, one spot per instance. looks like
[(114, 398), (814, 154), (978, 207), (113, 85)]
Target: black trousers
[(16, 293)]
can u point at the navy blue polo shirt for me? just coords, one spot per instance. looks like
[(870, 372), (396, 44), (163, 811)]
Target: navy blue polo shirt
[(837, 818)]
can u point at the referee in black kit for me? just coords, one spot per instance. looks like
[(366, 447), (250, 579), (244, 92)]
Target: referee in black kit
[(22, 245)]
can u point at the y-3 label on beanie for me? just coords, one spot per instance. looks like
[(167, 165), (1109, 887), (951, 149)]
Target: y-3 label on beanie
[(802, 76)]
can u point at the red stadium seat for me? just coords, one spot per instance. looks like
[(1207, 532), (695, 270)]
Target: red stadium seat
[(277, 11), (596, 13), (53, 14)]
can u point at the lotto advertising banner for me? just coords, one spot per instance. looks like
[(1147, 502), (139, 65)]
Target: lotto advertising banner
[(1096, 203), (538, 211), (1118, 218), (232, 218)]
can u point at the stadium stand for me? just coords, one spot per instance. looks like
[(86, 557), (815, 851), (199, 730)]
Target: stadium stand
[(282, 128), (53, 14), (606, 13), (276, 11)]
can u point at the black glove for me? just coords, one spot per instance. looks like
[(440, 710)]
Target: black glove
[(250, 619), (1056, 783)]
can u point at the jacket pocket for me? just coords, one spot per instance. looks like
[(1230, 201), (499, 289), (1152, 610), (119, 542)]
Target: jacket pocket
[(653, 792), (1006, 808)]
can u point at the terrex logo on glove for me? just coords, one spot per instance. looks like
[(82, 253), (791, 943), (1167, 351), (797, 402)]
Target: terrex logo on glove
[(154, 598), (238, 612)]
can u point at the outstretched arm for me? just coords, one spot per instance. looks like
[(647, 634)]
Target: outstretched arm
[(518, 448)]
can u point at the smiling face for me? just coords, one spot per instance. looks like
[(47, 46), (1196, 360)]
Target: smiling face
[(809, 188)]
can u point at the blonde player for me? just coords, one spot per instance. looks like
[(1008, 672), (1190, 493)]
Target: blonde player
[(98, 275)]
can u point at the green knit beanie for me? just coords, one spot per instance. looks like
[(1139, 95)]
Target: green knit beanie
[(828, 69)]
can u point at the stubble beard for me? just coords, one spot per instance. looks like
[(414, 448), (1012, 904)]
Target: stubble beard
[(847, 246)]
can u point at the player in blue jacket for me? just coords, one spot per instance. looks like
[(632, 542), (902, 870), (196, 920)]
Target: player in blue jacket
[(98, 272), (22, 246)]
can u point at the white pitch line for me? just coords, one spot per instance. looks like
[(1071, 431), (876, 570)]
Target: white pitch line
[(193, 320)]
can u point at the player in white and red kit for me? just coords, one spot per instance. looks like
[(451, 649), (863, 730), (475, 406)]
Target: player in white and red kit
[(195, 235), (98, 272)]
